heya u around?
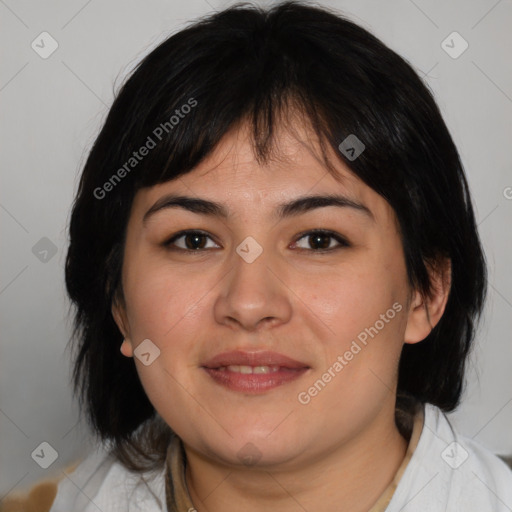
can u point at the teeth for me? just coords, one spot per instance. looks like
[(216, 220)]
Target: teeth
[(250, 369), (262, 369)]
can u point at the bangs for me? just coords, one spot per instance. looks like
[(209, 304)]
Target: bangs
[(190, 129)]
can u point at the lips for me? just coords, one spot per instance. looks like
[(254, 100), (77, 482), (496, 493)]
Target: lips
[(253, 372), (254, 359)]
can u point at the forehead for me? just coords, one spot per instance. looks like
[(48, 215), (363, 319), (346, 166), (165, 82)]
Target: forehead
[(231, 174)]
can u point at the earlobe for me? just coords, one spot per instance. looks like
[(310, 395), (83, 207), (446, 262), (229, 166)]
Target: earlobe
[(418, 326), (126, 348), (425, 312)]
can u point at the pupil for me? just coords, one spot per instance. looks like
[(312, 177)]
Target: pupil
[(195, 238), (321, 236)]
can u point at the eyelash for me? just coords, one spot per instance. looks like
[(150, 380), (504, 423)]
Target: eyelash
[(343, 243)]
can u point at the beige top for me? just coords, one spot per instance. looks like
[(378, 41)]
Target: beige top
[(383, 502), (178, 497)]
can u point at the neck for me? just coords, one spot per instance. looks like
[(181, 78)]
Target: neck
[(351, 477)]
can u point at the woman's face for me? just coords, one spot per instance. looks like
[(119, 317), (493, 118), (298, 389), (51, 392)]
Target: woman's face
[(262, 281)]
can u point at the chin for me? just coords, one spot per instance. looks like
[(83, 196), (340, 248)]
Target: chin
[(254, 449)]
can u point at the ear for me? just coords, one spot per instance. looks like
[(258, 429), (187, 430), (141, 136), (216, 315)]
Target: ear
[(425, 312), (121, 320)]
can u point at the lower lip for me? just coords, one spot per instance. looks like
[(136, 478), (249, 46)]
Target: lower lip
[(254, 382)]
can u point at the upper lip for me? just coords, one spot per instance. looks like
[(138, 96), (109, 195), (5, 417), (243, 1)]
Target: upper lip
[(244, 358)]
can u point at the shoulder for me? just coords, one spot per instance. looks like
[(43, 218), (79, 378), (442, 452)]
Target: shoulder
[(452, 472), (100, 481), (477, 473), (461, 450)]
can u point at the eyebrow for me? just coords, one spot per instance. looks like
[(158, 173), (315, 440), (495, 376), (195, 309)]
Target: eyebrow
[(291, 208)]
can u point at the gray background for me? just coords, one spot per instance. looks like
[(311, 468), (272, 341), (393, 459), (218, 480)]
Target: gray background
[(51, 110)]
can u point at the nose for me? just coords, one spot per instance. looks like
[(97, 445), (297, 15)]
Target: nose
[(254, 295)]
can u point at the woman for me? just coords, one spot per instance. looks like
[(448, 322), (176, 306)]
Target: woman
[(277, 277)]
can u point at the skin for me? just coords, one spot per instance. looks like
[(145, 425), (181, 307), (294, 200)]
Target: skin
[(342, 449)]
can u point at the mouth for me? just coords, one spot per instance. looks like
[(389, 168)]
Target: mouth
[(253, 372)]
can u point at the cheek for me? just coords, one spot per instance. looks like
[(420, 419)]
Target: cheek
[(364, 306), (164, 306), (359, 369), (161, 300), (350, 299), (169, 307)]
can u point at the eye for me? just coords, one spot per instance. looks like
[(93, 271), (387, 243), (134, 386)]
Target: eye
[(193, 240), (322, 240)]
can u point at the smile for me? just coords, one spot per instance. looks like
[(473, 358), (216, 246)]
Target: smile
[(249, 369)]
